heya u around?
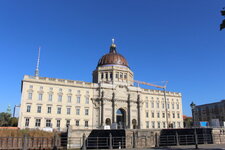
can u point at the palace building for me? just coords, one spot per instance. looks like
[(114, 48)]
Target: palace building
[(111, 100)]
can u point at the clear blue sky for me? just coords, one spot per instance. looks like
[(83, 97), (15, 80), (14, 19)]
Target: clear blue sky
[(173, 40)]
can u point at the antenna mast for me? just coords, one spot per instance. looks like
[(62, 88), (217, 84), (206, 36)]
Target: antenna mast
[(38, 62)]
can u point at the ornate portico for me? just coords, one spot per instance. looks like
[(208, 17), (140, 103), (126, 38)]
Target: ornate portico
[(116, 105)]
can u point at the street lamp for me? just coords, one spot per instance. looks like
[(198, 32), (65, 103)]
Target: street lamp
[(193, 112), (193, 117)]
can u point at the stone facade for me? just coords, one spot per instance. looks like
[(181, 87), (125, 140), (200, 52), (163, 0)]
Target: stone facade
[(110, 100)]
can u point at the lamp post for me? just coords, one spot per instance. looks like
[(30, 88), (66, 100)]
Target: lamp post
[(193, 112), (193, 117)]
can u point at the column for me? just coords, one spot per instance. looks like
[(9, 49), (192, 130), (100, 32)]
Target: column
[(128, 106), (113, 107), (139, 114), (102, 109), (108, 76)]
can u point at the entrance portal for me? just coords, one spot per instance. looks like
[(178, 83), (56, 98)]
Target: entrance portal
[(121, 118)]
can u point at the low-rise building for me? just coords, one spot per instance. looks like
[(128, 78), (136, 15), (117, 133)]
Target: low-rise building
[(213, 113)]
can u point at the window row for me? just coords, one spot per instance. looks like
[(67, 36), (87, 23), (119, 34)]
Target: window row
[(59, 98), (59, 110), (60, 89), (163, 115), (162, 124), (152, 98), (109, 75), (162, 105), (48, 123)]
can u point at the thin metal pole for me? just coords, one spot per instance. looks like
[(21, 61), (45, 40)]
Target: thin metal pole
[(196, 138), (167, 124), (14, 110)]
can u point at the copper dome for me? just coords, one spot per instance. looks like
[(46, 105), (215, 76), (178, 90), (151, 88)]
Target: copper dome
[(112, 58)]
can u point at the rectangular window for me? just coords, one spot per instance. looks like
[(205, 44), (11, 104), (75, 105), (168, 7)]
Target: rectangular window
[(153, 124), (178, 115), (102, 75), (78, 99), (164, 125), (163, 115), (87, 100), (40, 95), (49, 110), (117, 75), (38, 109), (69, 99), (77, 111), (86, 111), (59, 98), (48, 123), (59, 109), (86, 123), (68, 110), (157, 105), (146, 104), (172, 106), (152, 104), (163, 105), (178, 124), (28, 108), (146, 114), (158, 115), (37, 122), (168, 106), (111, 75), (67, 123), (152, 114), (30, 96), (77, 123), (177, 106), (58, 123), (125, 76), (121, 75), (50, 97), (147, 124), (158, 124), (27, 121), (173, 115)]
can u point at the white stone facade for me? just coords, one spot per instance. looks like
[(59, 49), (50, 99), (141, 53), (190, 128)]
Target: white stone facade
[(110, 99)]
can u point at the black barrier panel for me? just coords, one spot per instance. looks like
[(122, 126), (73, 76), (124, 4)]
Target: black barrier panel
[(100, 139), (171, 137)]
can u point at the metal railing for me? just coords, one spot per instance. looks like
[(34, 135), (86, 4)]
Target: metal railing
[(170, 140), (110, 142)]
